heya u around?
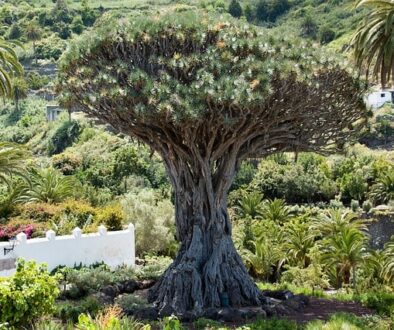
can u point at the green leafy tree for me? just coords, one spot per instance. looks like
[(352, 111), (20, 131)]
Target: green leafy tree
[(235, 9), (206, 92), (333, 221), (77, 25)]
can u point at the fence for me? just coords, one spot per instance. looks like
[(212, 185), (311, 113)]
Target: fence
[(113, 248)]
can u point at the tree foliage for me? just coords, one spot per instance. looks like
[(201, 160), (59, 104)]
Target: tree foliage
[(9, 66)]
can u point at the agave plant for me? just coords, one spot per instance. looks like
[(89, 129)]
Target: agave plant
[(49, 186), (12, 157), (383, 190), (373, 42)]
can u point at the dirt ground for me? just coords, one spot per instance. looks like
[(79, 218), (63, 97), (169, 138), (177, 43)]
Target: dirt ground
[(321, 309)]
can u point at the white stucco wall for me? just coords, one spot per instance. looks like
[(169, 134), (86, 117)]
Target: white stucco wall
[(113, 248), (377, 99)]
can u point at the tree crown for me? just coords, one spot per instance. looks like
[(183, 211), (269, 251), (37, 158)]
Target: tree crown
[(192, 69)]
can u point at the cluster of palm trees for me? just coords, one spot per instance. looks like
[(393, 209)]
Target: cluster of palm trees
[(273, 238)]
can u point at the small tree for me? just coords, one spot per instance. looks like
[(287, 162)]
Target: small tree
[(309, 27), (205, 93), (33, 33), (19, 91), (235, 9)]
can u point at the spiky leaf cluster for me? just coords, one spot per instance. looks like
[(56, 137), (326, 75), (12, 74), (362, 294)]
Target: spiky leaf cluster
[(177, 71)]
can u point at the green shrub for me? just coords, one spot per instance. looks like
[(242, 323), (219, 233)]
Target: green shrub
[(70, 311), (153, 218), (312, 276), (63, 137), (272, 324), (67, 163), (111, 216), (27, 295), (154, 267)]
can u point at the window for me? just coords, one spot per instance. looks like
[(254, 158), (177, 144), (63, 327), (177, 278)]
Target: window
[(382, 95)]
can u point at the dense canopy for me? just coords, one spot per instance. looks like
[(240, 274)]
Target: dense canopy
[(206, 92), (194, 68)]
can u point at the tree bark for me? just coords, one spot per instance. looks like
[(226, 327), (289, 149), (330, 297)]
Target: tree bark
[(207, 272)]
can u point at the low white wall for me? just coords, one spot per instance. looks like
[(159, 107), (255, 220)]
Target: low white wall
[(113, 248)]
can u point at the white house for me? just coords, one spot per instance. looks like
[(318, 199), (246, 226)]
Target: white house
[(378, 98)]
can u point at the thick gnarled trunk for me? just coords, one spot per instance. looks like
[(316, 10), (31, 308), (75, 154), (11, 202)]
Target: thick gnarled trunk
[(207, 272)]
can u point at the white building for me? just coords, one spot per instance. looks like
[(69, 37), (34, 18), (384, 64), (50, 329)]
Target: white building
[(378, 98)]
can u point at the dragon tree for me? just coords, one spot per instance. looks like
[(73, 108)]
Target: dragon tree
[(206, 92)]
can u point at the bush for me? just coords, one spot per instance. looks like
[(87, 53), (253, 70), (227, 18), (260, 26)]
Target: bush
[(154, 267), (326, 35), (36, 81), (40, 212), (85, 280), (66, 163), (312, 276), (270, 10), (12, 229), (70, 311), (64, 136), (153, 219), (27, 295), (111, 216), (235, 9)]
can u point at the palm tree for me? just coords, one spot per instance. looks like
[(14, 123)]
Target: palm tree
[(299, 240), (19, 91), (344, 251), (250, 205), (388, 269), (373, 42), (265, 260), (12, 157), (275, 210), (383, 190), (9, 66), (49, 186), (333, 221), (33, 33)]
